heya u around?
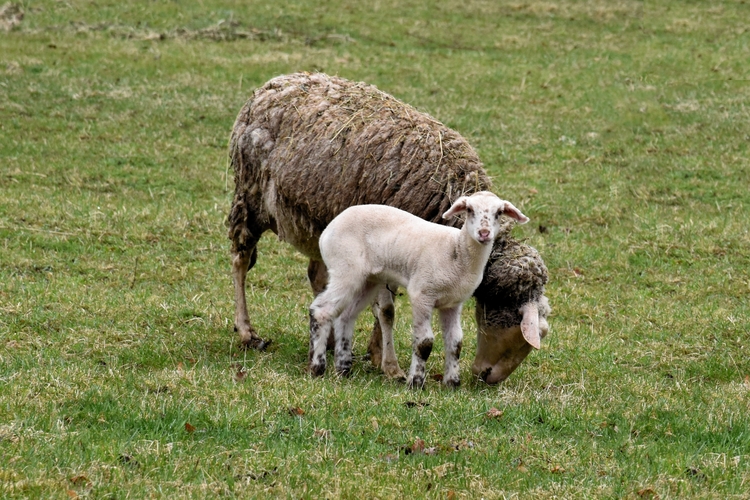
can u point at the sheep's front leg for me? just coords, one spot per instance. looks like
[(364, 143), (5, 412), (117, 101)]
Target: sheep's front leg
[(422, 344), (242, 262), (450, 322)]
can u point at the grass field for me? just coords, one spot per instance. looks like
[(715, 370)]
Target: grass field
[(622, 128)]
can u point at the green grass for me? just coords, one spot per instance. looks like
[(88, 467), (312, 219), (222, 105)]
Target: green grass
[(621, 127)]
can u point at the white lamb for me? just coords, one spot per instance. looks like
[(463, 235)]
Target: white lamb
[(369, 247)]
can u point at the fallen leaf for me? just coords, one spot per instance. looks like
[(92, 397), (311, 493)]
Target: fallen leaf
[(72, 494), (189, 428), (648, 493), (241, 372), (577, 271), (494, 413), (451, 495), (296, 411), (438, 377), (128, 460), (747, 380), (418, 446), (79, 479), (557, 470), (533, 191), (695, 473)]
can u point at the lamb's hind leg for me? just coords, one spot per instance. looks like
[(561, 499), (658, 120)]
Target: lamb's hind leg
[(242, 261), (344, 328), (326, 308), (318, 276)]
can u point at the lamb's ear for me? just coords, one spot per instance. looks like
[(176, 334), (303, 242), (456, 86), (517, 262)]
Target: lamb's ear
[(457, 207), (512, 212), (530, 324)]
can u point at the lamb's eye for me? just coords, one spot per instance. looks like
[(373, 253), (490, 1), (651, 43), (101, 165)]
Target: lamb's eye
[(470, 211), (499, 213)]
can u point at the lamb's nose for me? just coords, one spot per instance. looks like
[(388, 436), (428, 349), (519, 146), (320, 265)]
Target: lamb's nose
[(484, 234)]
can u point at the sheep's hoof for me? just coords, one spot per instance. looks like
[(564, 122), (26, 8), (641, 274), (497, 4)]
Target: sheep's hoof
[(256, 343), (395, 373)]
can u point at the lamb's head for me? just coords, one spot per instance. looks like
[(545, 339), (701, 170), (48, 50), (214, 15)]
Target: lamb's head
[(511, 309), (484, 211)]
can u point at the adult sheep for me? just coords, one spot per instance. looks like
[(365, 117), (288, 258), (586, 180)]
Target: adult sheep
[(307, 146)]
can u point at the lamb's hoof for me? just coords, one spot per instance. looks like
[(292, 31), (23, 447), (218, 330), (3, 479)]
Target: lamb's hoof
[(317, 370), (416, 383), (452, 383), (345, 369)]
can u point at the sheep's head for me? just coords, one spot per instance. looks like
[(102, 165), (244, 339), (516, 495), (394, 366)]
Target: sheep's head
[(511, 310), (484, 212)]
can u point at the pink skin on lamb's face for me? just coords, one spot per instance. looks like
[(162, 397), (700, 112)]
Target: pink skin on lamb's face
[(501, 350)]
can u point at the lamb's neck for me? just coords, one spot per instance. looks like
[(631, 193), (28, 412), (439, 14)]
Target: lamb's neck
[(472, 255)]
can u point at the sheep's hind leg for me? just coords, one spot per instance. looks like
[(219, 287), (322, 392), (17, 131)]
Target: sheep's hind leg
[(384, 312), (450, 322), (422, 344), (242, 262)]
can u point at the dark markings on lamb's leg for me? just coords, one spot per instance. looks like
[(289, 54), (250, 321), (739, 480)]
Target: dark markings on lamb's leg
[(343, 358), (424, 349), (317, 363), (453, 381)]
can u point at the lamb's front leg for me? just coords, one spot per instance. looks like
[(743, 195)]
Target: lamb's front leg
[(422, 344), (450, 322)]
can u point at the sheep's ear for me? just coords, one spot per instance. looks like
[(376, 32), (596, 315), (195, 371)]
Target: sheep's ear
[(457, 207), (530, 324), (514, 213)]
